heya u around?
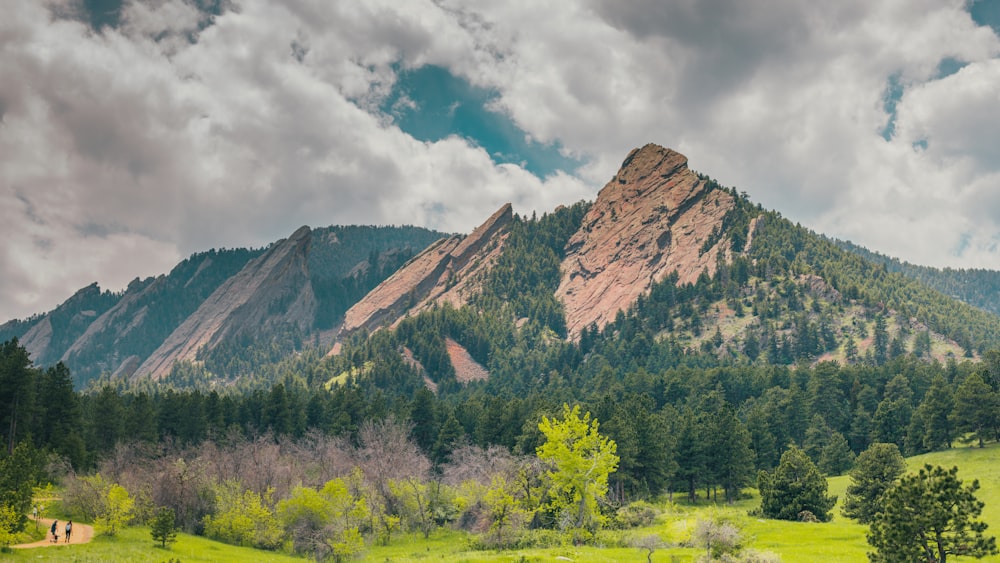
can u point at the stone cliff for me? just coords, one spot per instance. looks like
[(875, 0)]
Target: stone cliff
[(272, 290), (653, 218), (44, 342), (444, 272)]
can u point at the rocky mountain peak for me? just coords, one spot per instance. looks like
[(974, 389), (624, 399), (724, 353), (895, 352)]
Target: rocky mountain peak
[(444, 272), (653, 218), (271, 291)]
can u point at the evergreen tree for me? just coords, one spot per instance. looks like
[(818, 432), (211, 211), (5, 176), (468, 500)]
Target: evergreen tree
[(425, 430), (936, 410), (62, 420), (794, 488), (836, 457), (163, 528), (876, 469), (927, 517), (880, 341), (17, 393), (449, 435), (977, 409), (731, 461), (892, 417), (692, 452)]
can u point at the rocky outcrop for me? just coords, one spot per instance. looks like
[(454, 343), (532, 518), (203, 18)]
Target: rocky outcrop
[(47, 338), (126, 316), (38, 338), (653, 218), (466, 368), (272, 290), (444, 272)]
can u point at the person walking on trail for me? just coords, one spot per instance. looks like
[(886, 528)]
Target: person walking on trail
[(54, 530), (69, 530)]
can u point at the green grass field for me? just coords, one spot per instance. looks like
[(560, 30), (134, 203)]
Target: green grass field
[(134, 544), (840, 540)]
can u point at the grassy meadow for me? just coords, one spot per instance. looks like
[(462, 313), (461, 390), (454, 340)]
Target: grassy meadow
[(840, 540)]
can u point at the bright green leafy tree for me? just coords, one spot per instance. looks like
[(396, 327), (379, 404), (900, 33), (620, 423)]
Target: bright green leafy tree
[(117, 511), (927, 517), (580, 461), (506, 513), (243, 517), (9, 521), (325, 522), (17, 474)]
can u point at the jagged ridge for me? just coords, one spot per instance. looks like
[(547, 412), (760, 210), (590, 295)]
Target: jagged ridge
[(651, 219)]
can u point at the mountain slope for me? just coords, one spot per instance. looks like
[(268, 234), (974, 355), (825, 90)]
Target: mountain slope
[(271, 291), (975, 286), (665, 268), (97, 332), (650, 220), (444, 272)]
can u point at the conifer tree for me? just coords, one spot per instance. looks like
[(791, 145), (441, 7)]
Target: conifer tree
[(795, 488), (876, 469), (977, 409), (163, 528), (928, 517)]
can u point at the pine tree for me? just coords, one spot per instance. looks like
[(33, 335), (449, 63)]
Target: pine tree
[(927, 517), (163, 528), (936, 410), (876, 469), (794, 488), (977, 409)]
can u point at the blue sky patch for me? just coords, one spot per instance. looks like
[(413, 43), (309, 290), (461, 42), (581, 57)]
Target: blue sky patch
[(949, 66), (430, 103), (893, 93), (986, 12)]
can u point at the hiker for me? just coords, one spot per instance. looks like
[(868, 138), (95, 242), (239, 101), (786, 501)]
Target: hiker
[(69, 530), (55, 524)]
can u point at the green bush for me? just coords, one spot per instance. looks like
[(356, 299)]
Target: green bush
[(635, 515)]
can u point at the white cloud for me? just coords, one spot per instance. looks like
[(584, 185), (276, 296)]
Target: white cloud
[(128, 149)]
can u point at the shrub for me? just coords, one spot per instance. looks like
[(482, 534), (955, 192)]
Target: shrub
[(635, 515)]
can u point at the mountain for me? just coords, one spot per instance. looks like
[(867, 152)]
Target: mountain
[(221, 300), (664, 268), (650, 220), (271, 292)]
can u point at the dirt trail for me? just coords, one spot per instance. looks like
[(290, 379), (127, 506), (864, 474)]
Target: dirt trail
[(82, 533)]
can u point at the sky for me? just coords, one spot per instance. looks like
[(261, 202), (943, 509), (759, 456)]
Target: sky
[(135, 133)]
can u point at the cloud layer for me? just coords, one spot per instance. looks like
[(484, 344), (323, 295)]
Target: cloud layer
[(124, 150)]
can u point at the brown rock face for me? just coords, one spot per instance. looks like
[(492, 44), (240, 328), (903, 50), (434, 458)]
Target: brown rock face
[(651, 219), (466, 368), (445, 272), (271, 290)]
